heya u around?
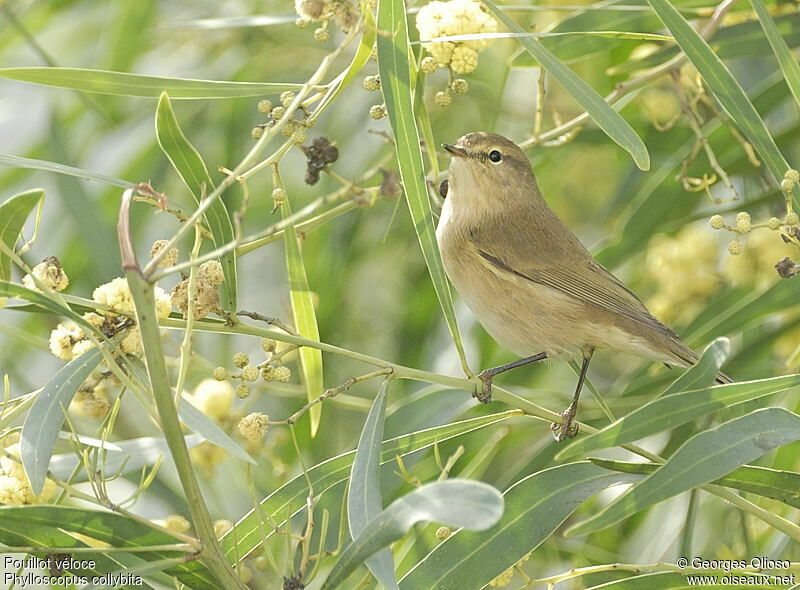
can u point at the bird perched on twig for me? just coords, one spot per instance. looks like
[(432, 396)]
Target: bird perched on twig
[(530, 282)]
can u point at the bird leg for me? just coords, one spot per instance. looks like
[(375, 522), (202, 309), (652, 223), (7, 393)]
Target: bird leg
[(488, 375), (567, 429)]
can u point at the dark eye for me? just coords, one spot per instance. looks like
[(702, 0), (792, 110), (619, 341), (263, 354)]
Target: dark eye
[(495, 156), (443, 188)]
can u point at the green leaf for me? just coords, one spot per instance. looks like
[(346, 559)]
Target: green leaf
[(770, 483), (535, 507), (291, 497), (17, 162), (232, 22), (195, 420), (705, 370), (104, 526), (598, 109), (673, 410), (304, 316), (364, 498), (198, 422), (394, 68), (524, 35), (786, 61), (123, 84), (469, 504), (703, 458), (13, 213), (43, 422), (132, 455), (724, 87), (193, 172)]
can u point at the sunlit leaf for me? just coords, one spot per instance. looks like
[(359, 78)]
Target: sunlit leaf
[(394, 67), (124, 84), (472, 505), (598, 109), (193, 172), (703, 458), (364, 496)]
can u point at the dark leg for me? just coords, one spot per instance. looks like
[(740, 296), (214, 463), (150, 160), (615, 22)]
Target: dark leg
[(567, 429), (488, 375)]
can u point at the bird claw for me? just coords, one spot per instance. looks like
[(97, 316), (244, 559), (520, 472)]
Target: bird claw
[(484, 395), (566, 429)]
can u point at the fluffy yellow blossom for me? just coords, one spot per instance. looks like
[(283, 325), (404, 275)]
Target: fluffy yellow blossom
[(49, 272), (117, 295), (206, 296), (15, 489), (175, 522), (755, 265), (254, 426), (207, 456), (213, 398), (222, 526), (69, 341), (456, 17), (685, 269), (170, 258)]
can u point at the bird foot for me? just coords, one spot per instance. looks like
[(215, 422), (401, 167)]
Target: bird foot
[(566, 429), (484, 395)]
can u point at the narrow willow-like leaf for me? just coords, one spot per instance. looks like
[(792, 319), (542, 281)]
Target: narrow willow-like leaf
[(17, 533), (671, 411), (233, 22), (13, 213), (703, 458), (535, 507), (469, 504), (123, 84), (609, 34), (705, 370), (786, 60), (364, 500), (724, 87), (394, 67), (43, 422), (304, 316), (103, 526), (598, 109), (132, 455), (18, 162), (291, 497), (770, 483), (198, 422), (192, 170)]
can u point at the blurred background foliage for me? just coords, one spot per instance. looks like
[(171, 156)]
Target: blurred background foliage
[(371, 287)]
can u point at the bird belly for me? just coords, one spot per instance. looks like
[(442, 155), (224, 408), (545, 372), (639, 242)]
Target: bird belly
[(528, 317), (525, 318)]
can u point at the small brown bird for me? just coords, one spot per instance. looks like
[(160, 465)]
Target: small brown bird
[(530, 282)]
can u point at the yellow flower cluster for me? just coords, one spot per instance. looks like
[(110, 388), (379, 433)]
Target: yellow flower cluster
[(69, 341), (755, 265), (213, 398), (685, 269), (206, 296), (254, 426), (456, 17), (49, 272), (15, 489)]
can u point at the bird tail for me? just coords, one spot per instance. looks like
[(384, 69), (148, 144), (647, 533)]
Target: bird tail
[(688, 358)]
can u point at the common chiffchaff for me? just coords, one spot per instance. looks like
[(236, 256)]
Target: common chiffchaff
[(527, 278)]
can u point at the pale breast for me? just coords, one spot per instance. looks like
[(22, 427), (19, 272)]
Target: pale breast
[(524, 317)]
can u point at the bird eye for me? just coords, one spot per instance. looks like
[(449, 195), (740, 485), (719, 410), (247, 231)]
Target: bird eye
[(495, 156)]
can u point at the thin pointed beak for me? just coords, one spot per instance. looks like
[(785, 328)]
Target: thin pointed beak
[(458, 152)]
